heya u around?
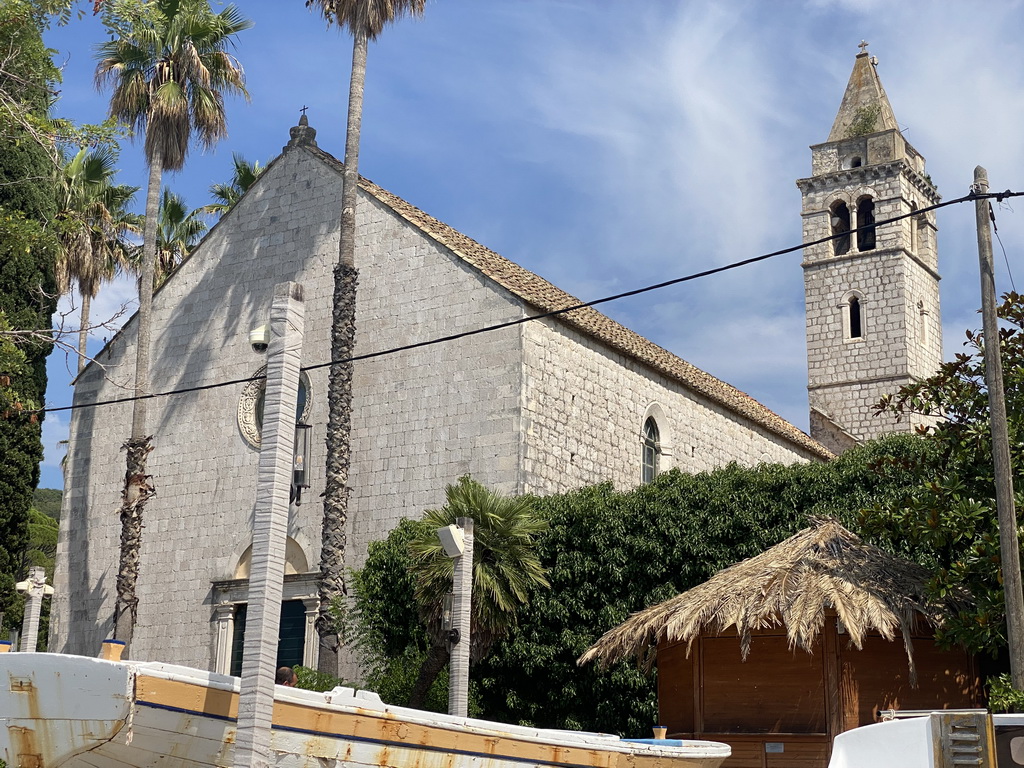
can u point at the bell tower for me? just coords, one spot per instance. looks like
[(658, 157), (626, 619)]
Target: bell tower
[(872, 293)]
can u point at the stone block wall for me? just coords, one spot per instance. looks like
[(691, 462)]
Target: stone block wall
[(424, 417), (878, 281), (896, 284), (584, 407)]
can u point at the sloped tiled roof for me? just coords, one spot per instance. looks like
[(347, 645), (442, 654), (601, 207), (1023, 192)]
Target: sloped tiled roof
[(546, 297)]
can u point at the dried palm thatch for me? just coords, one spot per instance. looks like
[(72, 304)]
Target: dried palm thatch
[(796, 583)]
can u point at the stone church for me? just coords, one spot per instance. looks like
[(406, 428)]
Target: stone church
[(541, 407)]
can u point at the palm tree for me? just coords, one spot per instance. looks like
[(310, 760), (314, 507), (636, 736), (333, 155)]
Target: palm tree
[(169, 69), (364, 19), (226, 195), (178, 231), (93, 232), (505, 568)]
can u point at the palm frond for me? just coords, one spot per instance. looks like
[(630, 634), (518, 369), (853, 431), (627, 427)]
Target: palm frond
[(367, 17), (505, 561), (179, 230), (168, 70)]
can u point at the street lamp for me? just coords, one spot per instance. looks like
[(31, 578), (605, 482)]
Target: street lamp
[(457, 541), (300, 462)]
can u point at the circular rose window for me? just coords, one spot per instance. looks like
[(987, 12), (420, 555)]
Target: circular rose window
[(250, 405)]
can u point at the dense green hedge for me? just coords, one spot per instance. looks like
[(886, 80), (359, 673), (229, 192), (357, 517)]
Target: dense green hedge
[(610, 553)]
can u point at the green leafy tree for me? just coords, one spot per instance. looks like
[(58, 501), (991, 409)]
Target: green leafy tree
[(41, 548), (365, 20), (948, 520), (94, 226), (506, 569), (27, 254), (169, 69), (244, 176), (386, 626)]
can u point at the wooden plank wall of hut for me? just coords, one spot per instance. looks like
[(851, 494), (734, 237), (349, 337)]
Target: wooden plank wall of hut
[(781, 708)]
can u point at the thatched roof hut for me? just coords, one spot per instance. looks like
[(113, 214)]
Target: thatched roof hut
[(822, 569)]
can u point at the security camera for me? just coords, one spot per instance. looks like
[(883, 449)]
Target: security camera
[(259, 338)]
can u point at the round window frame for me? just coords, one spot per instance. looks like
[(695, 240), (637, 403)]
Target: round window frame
[(248, 423)]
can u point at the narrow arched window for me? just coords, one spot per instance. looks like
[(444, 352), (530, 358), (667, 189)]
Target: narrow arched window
[(651, 451), (840, 221), (856, 330), (866, 218)]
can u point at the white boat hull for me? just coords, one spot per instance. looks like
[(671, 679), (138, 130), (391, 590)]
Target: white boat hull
[(79, 712)]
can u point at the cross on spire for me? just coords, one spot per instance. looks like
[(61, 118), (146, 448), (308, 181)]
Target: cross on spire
[(863, 46), (303, 110)]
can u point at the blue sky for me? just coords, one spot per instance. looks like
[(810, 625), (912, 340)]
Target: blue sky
[(610, 144)]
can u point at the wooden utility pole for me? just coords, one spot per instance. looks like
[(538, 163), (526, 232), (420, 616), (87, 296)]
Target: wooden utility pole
[(1009, 547)]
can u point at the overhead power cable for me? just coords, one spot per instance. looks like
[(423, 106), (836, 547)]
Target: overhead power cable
[(971, 197)]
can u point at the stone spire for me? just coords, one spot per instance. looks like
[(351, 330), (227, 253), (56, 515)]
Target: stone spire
[(302, 135), (865, 108)]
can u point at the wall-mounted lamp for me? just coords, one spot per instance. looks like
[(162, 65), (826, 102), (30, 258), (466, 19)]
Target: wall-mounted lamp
[(300, 476), (451, 632)]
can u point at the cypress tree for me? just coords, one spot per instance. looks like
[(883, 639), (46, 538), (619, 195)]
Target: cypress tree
[(27, 287)]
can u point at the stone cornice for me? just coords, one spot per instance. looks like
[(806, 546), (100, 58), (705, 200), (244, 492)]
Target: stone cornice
[(864, 174)]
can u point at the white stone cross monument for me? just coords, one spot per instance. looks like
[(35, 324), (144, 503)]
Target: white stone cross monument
[(36, 588)]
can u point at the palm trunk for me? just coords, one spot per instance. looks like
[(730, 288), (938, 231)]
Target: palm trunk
[(339, 392), (436, 658), (137, 483), (83, 331)]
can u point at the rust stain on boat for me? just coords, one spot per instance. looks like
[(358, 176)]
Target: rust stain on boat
[(24, 740)]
